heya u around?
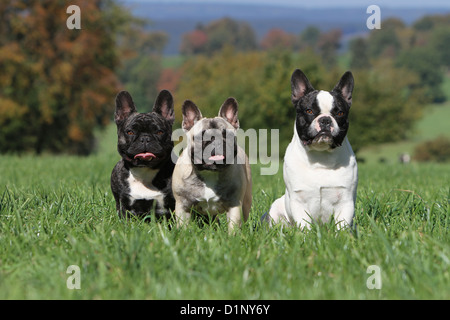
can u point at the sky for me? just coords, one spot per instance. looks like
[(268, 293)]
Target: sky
[(321, 3)]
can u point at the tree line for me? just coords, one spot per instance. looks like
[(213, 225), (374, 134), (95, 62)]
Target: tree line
[(57, 86), (398, 71)]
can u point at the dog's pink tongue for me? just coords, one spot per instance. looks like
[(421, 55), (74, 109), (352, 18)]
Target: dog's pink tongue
[(216, 158), (145, 156)]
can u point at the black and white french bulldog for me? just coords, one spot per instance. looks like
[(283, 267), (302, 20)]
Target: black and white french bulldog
[(320, 170), (212, 175), (141, 180)]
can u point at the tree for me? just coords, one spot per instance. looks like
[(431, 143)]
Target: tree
[(169, 79), (440, 43), (359, 55), (385, 42), (309, 37), (386, 103), (217, 35), (193, 42), (56, 84), (208, 81), (328, 44), (428, 23), (426, 64), (141, 65), (277, 38), (227, 31)]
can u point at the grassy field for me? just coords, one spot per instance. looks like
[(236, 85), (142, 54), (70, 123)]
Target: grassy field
[(59, 211)]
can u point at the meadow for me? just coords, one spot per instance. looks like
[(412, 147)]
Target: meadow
[(58, 211)]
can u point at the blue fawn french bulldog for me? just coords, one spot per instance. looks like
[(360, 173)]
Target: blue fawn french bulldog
[(212, 175)]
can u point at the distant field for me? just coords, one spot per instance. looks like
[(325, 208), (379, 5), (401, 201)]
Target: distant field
[(172, 61), (435, 122)]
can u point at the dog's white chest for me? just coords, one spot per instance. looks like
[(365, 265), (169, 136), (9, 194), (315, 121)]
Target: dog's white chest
[(210, 195), (141, 187), (319, 190), (322, 201), (209, 199)]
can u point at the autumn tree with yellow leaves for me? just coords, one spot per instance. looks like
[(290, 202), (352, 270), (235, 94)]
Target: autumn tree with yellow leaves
[(56, 84)]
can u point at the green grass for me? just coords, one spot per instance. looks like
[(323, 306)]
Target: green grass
[(57, 211), (434, 123)]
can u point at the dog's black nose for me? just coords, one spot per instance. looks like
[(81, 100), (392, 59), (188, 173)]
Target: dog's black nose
[(325, 120), (325, 123), (145, 139)]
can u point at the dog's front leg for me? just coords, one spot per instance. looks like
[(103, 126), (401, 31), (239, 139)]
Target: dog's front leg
[(182, 216), (345, 217), (277, 213), (234, 218), (297, 211)]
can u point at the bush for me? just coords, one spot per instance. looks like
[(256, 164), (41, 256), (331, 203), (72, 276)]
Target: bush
[(433, 150), (387, 101)]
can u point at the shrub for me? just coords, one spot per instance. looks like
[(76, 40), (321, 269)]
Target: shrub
[(433, 150)]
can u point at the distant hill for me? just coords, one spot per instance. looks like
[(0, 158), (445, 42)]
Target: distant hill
[(176, 19)]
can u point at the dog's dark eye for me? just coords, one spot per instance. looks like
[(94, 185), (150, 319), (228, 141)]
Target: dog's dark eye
[(130, 132), (160, 132), (340, 114), (309, 111)]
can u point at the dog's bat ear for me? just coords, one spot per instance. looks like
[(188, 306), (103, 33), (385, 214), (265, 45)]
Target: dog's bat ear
[(229, 111), (345, 87), (300, 86), (124, 107), (164, 105), (191, 114)]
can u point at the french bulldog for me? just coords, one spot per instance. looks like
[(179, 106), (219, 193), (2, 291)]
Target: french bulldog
[(141, 180), (320, 170), (212, 174)]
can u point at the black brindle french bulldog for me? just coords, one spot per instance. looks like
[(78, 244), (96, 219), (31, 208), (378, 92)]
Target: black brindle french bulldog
[(141, 180)]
